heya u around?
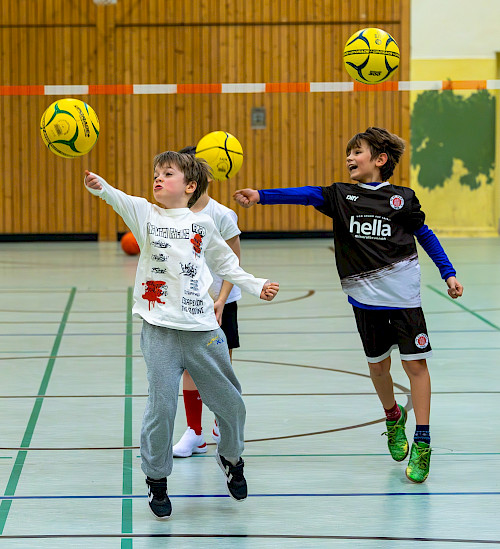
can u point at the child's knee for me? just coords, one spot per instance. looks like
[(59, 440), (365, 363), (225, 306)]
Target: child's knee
[(378, 369), (236, 405), (242, 411), (415, 367), (159, 405)]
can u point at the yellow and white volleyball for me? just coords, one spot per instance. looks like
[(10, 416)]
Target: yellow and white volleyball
[(223, 153), (371, 56), (69, 128)]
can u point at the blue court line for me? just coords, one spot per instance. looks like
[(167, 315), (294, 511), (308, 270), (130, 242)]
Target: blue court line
[(292, 495), (434, 454), (35, 413)]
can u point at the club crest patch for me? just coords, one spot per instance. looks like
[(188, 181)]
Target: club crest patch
[(396, 201), (421, 341)]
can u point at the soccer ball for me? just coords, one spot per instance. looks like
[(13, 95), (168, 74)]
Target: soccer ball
[(223, 153), (69, 128), (371, 56)]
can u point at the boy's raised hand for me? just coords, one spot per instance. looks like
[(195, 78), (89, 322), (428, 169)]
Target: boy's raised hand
[(247, 197), (455, 289), (92, 181), (269, 291)]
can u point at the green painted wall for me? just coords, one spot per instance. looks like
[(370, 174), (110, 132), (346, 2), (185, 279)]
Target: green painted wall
[(453, 149)]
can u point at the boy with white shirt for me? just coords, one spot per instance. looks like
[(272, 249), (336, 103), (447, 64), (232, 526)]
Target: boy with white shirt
[(225, 296), (180, 330)]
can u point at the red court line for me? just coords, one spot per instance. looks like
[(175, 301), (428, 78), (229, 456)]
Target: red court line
[(464, 84), (288, 87), (199, 88), (111, 89), (22, 90)]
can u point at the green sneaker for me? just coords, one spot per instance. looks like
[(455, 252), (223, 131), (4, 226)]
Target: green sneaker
[(396, 437), (419, 463)]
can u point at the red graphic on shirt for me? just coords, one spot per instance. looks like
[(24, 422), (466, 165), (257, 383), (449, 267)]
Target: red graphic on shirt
[(153, 292), (196, 241)]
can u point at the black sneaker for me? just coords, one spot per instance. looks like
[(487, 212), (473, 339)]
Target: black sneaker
[(236, 483), (159, 503)]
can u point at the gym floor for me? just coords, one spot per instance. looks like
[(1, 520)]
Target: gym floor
[(73, 390)]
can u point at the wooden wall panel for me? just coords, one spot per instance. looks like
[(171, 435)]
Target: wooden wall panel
[(41, 193), (190, 42)]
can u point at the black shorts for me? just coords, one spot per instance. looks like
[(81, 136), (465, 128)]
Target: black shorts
[(383, 330), (229, 324)]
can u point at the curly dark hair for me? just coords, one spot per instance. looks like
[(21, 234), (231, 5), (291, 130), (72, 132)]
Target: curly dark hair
[(380, 141)]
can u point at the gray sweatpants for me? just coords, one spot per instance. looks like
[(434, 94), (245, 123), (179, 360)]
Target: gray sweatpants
[(205, 356)]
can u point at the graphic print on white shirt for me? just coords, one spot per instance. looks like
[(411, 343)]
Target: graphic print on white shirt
[(178, 296)]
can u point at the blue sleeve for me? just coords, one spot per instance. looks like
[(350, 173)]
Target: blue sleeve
[(307, 196), (430, 243)]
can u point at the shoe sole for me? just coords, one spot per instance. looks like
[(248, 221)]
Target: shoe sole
[(225, 478), (415, 481), (197, 451), (157, 517), (404, 457)]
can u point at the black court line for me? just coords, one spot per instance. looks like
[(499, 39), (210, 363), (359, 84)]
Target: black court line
[(247, 333), (372, 393), (309, 293), (297, 435), (255, 536), (245, 306), (136, 321), (404, 390), (360, 393), (288, 350)]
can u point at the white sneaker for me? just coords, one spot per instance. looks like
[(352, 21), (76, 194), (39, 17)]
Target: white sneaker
[(216, 433), (189, 444)]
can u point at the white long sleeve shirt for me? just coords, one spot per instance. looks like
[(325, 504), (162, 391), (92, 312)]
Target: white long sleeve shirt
[(226, 222), (178, 250)]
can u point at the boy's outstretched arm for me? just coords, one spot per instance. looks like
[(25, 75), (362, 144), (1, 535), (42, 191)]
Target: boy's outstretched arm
[(305, 196), (132, 209), (247, 197), (269, 291), (455, 289)]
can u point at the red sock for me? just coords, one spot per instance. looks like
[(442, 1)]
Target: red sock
[(393, 414), (193, 405)]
